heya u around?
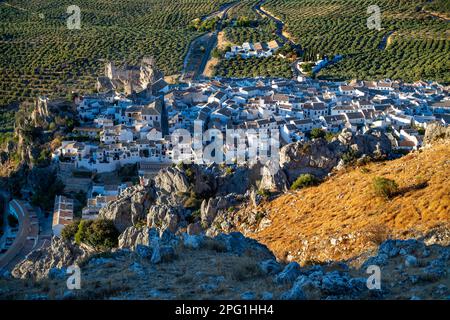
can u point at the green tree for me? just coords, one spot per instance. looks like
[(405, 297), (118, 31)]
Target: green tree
[(385, 187), (304, 180)]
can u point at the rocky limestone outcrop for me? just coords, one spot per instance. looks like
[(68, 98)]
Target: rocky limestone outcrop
[(238, 182), (132, 237), (165, 217), (209, 209), (60, 254), (130, 208), (319, 157), (434, 132), (205, 179), (373, 143), (172, 180), (273, 179)]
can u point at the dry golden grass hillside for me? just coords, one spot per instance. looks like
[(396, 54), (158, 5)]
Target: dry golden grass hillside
[(343, 219)]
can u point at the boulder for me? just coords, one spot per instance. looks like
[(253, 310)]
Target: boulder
[(411, 261), (192, 242), (273, 179), (237, 243), (289, 274), (162, 254), (130, 207), (209, 209), (60, 254), (317, 157), (270, 266), (133, 236), (164, 217), (435, 132), (194, 229), (171, 181)]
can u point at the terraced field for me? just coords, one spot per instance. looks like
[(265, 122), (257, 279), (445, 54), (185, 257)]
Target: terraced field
[(40, 55), (419, 47)]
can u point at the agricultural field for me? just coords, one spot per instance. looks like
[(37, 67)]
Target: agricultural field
[(413, 43), (245, 25), (40, 55)]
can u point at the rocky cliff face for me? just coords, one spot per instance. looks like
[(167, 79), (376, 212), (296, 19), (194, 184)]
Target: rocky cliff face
[(436, 132), (319, 157), (39, 263), (130, 208)]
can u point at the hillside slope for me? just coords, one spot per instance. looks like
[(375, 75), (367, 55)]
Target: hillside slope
[(342, 218)]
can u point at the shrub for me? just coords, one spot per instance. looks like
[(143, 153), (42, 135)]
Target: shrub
[(264, 193), (100, 234), (317, 133), (69, 231), (350, 156), (245, 268), (384, 187), (304, 180)]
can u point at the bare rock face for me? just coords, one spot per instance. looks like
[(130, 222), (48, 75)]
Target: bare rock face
[(164, 217), (132, 237), (172, 180), (205, 180), (317, 157), (60, 254), (209, 209), (435, 132), (273, 179), (373, 142), (129, 208), (237, 182), (149, 72)]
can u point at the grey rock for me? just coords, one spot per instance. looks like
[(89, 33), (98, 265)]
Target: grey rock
[(164, 217), (389, 248), (289, 273), (130, 207), (144, 251), (296, 292), (237, 243), (209, 209), (411, 261), (192, 242), (336, 283), (273, 178), (194, 229), (60, 254), (435, 132), (162, 254), (270, 266)]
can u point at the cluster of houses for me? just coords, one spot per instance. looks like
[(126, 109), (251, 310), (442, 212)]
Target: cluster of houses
[(253, 50), (98, 197), (117, 131)]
